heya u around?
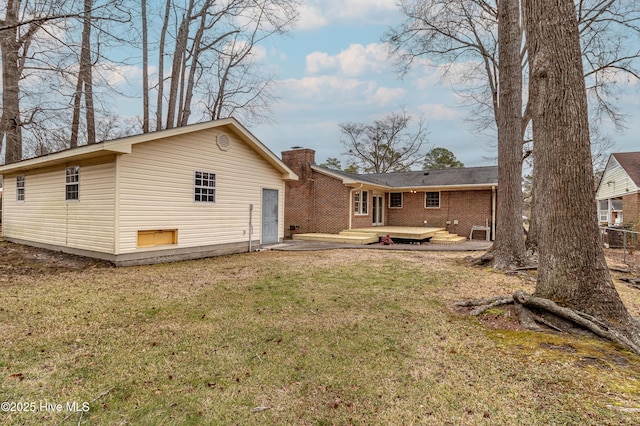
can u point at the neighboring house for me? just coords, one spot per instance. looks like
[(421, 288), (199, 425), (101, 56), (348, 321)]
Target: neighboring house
[(618, 193), (329, 201), (195, 191)]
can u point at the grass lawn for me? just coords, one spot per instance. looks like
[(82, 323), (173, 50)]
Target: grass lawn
[(314, 338)]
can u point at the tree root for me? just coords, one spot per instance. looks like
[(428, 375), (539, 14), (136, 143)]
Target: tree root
[(527, 305), (482, 260)]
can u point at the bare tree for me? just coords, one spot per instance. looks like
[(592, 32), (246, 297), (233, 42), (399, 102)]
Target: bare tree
[(469, 30), (454, 31), (15, 38), (161, 53), (509, 247), (386, 145), (85, 82), (213, 50), (572, 268), (145, 67)]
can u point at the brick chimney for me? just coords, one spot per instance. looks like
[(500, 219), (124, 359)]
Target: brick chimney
[(298, 210), (300, 161)]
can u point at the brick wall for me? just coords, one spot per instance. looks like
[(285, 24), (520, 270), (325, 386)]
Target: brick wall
[(331, 207), (467, 207), (631, 210), (321, 203), (316, 202)]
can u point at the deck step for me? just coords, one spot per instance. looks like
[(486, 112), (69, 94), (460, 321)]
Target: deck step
[(336, 238), (444, 237)]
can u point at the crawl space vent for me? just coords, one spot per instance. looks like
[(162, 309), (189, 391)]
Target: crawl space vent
[(223, 142)]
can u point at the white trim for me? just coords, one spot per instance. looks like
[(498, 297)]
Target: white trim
[(124, 146), (363, 203), (439, 200)]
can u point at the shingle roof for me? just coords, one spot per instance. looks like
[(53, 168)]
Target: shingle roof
[(435, 178), (630, 162)]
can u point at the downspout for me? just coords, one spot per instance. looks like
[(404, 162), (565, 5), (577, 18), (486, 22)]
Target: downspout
[(351, 204), (493, 213), (250, 225)]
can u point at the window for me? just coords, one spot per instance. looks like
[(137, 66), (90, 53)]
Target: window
[(204, 190), (20, 179), (603, 210), (360, 202), (432, 200), (72, 189), (395, 200)]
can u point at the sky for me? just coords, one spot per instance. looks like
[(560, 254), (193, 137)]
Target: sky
[(334, 69)]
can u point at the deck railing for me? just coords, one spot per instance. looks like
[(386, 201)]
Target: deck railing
[(627, 240)]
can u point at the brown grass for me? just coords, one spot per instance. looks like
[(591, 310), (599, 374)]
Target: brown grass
[(332, 337)]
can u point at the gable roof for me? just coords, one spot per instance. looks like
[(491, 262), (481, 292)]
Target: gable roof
[(124, 146), (459, 178), (630, 162)]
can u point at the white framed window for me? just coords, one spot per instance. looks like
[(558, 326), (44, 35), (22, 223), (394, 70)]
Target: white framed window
[(20, 181), (204, 187), (395, 200), (361, 202), (603, 210), (432, 200), (72, 187)]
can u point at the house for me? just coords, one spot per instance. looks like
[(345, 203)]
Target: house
[(330, 201), (618, 193), (195, 191)]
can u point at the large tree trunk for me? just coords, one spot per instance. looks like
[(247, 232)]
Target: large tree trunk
[(145, 68), (177, 67), (85, 83), (160, 98), (572, 269), (10, 122), (509, 248)]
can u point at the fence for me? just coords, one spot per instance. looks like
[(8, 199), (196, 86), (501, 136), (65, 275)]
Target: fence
[(625, 239)]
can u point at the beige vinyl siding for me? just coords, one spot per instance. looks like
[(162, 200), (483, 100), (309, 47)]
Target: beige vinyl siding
[(615, 183), (157, 185), (45, 216)]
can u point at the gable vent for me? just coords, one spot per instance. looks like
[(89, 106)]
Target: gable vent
[(223, 142)]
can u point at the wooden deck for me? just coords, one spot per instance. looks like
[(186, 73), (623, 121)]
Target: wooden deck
[(372, 235), (402, 232)]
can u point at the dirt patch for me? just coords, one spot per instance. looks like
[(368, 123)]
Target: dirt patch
[(630, 261), (21, 260)]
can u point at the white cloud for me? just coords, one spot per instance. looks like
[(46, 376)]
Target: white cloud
[(316, 14), (324, 88), (355, 61), (311, 18), (439, 112), (115, 74), (317, 62), (385, 95)]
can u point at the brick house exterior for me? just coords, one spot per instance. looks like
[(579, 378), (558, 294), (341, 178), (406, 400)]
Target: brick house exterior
[(618, 193), (330, 201)]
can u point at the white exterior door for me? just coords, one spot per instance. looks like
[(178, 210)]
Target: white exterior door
[(269, 216)]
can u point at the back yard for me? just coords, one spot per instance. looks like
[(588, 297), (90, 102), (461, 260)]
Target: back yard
[(308, 338)]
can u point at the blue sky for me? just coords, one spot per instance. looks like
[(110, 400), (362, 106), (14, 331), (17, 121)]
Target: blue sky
[(334, 69)]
